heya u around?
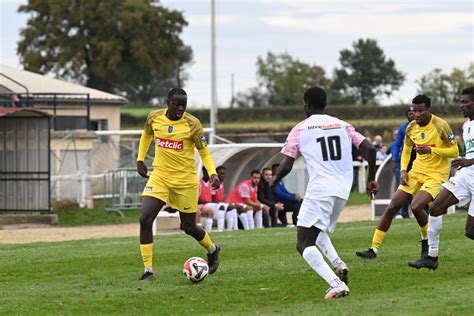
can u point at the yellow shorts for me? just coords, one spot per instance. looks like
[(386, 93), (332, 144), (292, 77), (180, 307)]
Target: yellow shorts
[(421, 182), (183, 199)]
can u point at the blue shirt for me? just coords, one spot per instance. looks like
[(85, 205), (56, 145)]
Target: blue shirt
[(280, 193), (397, 145)]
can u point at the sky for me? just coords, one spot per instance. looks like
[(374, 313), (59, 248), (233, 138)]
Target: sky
[(418, 35)]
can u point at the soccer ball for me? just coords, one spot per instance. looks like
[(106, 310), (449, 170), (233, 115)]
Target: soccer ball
[(195, 269)]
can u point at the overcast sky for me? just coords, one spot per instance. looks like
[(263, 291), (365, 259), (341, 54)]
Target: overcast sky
[(417, 35)]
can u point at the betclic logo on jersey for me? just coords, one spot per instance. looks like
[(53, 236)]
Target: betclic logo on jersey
[(169, 143)]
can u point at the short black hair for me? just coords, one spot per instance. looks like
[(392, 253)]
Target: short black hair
[(315, 98), (220, 167), (266, 168), (255, 171), (468, 91), (176, 92), (422, 99)]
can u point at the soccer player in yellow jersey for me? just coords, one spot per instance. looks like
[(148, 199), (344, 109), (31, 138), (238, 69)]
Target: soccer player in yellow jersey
[(175, 134), (434, 143)]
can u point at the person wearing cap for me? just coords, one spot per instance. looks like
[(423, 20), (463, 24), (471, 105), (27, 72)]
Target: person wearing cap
[(175, 134)]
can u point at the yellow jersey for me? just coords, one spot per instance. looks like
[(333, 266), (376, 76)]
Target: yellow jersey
[(436, 134), (174, 162)]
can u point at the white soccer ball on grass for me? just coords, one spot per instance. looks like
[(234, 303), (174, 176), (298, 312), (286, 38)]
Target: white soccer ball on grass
[(195, 269)]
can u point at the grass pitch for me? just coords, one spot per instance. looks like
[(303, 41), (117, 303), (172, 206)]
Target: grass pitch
[(260, 273)]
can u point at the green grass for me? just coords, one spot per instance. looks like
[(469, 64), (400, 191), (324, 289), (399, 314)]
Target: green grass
[(260, 273), (356, 198), (95, 216), (75, 216)]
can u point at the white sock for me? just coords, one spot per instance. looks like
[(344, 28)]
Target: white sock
[(316, 261), (250, 220), (259, 219), (435, 224), (208, 224), (244, 220), (213, 248), (150, 269), (220, 220), (325, 246), (229, 218)]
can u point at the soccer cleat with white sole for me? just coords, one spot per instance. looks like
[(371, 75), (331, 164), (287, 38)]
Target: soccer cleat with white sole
[(337, 292), (342, 272)]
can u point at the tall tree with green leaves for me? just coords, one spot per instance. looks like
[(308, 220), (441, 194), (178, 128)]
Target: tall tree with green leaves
[(445, 88), (130, 47), (285, 78), (366, 73)]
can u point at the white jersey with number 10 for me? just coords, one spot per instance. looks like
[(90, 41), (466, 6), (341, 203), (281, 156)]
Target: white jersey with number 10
[(325, 142)]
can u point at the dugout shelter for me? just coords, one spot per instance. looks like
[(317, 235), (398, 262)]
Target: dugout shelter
[(24, 160)]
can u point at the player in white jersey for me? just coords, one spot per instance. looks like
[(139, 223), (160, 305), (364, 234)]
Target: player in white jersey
[(458, 190), (325, 142)]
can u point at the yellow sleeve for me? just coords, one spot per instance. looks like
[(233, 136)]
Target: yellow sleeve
[(145, 139), (207, 160), (406, 155), (448, 141), (449, 152), (199, 139)]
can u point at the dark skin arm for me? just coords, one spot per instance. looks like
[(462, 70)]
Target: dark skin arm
[(283, 170), (215, 181), (142, 169), (370, 153), (462, 162)]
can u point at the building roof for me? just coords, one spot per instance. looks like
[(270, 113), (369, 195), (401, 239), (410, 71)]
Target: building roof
[(42, 84), (18, 112)]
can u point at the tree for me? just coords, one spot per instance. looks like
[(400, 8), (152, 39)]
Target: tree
[(252, 98), (126, 47), (443, 88), (366, 73), (285, 79)]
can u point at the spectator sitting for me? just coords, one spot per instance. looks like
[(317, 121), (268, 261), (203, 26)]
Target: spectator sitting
[(13, 102), (381, 153), (244, 195), (291, 202), (378, 142), (265, 195), (213, 204)]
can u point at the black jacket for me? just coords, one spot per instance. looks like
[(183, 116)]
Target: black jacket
[(265, 194)]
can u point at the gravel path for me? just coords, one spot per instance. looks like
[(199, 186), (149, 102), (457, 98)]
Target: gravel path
[(21, 235)]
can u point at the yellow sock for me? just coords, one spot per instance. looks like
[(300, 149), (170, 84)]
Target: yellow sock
[(377, 239), (424, 231), (206, 242), (147, 255)]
